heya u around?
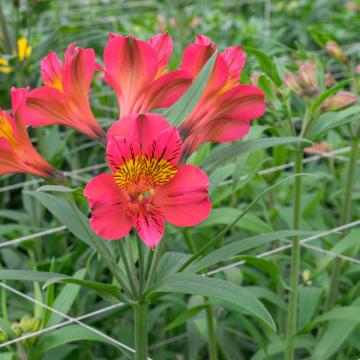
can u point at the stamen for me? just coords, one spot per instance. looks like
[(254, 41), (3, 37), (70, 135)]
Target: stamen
[(142, 174)]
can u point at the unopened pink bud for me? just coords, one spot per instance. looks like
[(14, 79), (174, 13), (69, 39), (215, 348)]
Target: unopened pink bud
[(335, 51), (339, 101), (329, 80), (292, 81), (308, 77)]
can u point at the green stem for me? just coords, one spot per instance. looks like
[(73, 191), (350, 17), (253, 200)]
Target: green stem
[(212, 343), (295, 261), (129, 273), (141, 331), (141, 263), (154, 263), (4, 309), (344, 218)]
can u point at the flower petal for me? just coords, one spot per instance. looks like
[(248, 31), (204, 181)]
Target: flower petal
[(167, 146), (119, 150), (108, 203), (195, 57), (185, 199), (166, 90), (139, 128), (52, 71), (130, 67), (235, 60), (150, 226), (163, 46)]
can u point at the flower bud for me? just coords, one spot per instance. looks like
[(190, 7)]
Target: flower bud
[(336, 52), (329, 80), (357, 69), (306, 275), (3, 336), (292, 81), (339, 101), (308, 77)]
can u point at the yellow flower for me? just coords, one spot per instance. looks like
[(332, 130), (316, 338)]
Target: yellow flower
[(4, 68), (24, 49)]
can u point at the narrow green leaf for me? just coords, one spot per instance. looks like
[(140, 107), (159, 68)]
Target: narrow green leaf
[(179, 111), (266, 64), (224, 155), (228, 251), (227, 292)]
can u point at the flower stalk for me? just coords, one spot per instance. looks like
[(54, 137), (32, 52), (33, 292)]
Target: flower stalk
[(141, 331), (295, 260), (344, 218)]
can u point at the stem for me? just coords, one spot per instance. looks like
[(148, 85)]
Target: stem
[(295, 261), (141, 263), (155, 261), (213, 353), (129, 273), (344, 218), (141, 331), (212, 343)]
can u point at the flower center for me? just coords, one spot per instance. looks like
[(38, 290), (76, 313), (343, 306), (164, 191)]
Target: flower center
[(6, 130), (141, 175)]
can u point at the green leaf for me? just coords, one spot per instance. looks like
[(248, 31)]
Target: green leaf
[(223, 155), (7, 356), (226, 215), (105, 290), (331, 120), (309, 299), (186, 315), (228, 251), (179, 111), (266, 64), (351, 313), (326, 94), (67, 296), (227, 292), (68, 334), (170, 263), (62, 210)]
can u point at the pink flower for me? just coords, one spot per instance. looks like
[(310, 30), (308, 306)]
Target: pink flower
[(136, 70), (64, 98), (147, 186), (17, 152), (226, 107)]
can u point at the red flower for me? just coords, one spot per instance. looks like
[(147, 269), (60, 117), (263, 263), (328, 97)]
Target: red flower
[(64, 100), (226, 107), (136, 70), (146, 186), (17, 153)]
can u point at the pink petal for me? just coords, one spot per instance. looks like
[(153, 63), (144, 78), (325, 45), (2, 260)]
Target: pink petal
[(79, 70), (52, 71), (204, 40), (163, 46), (167, 146), (130, 67), (119, 150), (108, 203), (195, 57), (166, 90), (139, 128), (185, 199), (235, 60), (48, 106), (150, 226)]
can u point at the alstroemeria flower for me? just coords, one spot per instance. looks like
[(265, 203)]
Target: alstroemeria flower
[(136, 70), (17, 154), (64, 98), (147, 186), (226, 107)]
